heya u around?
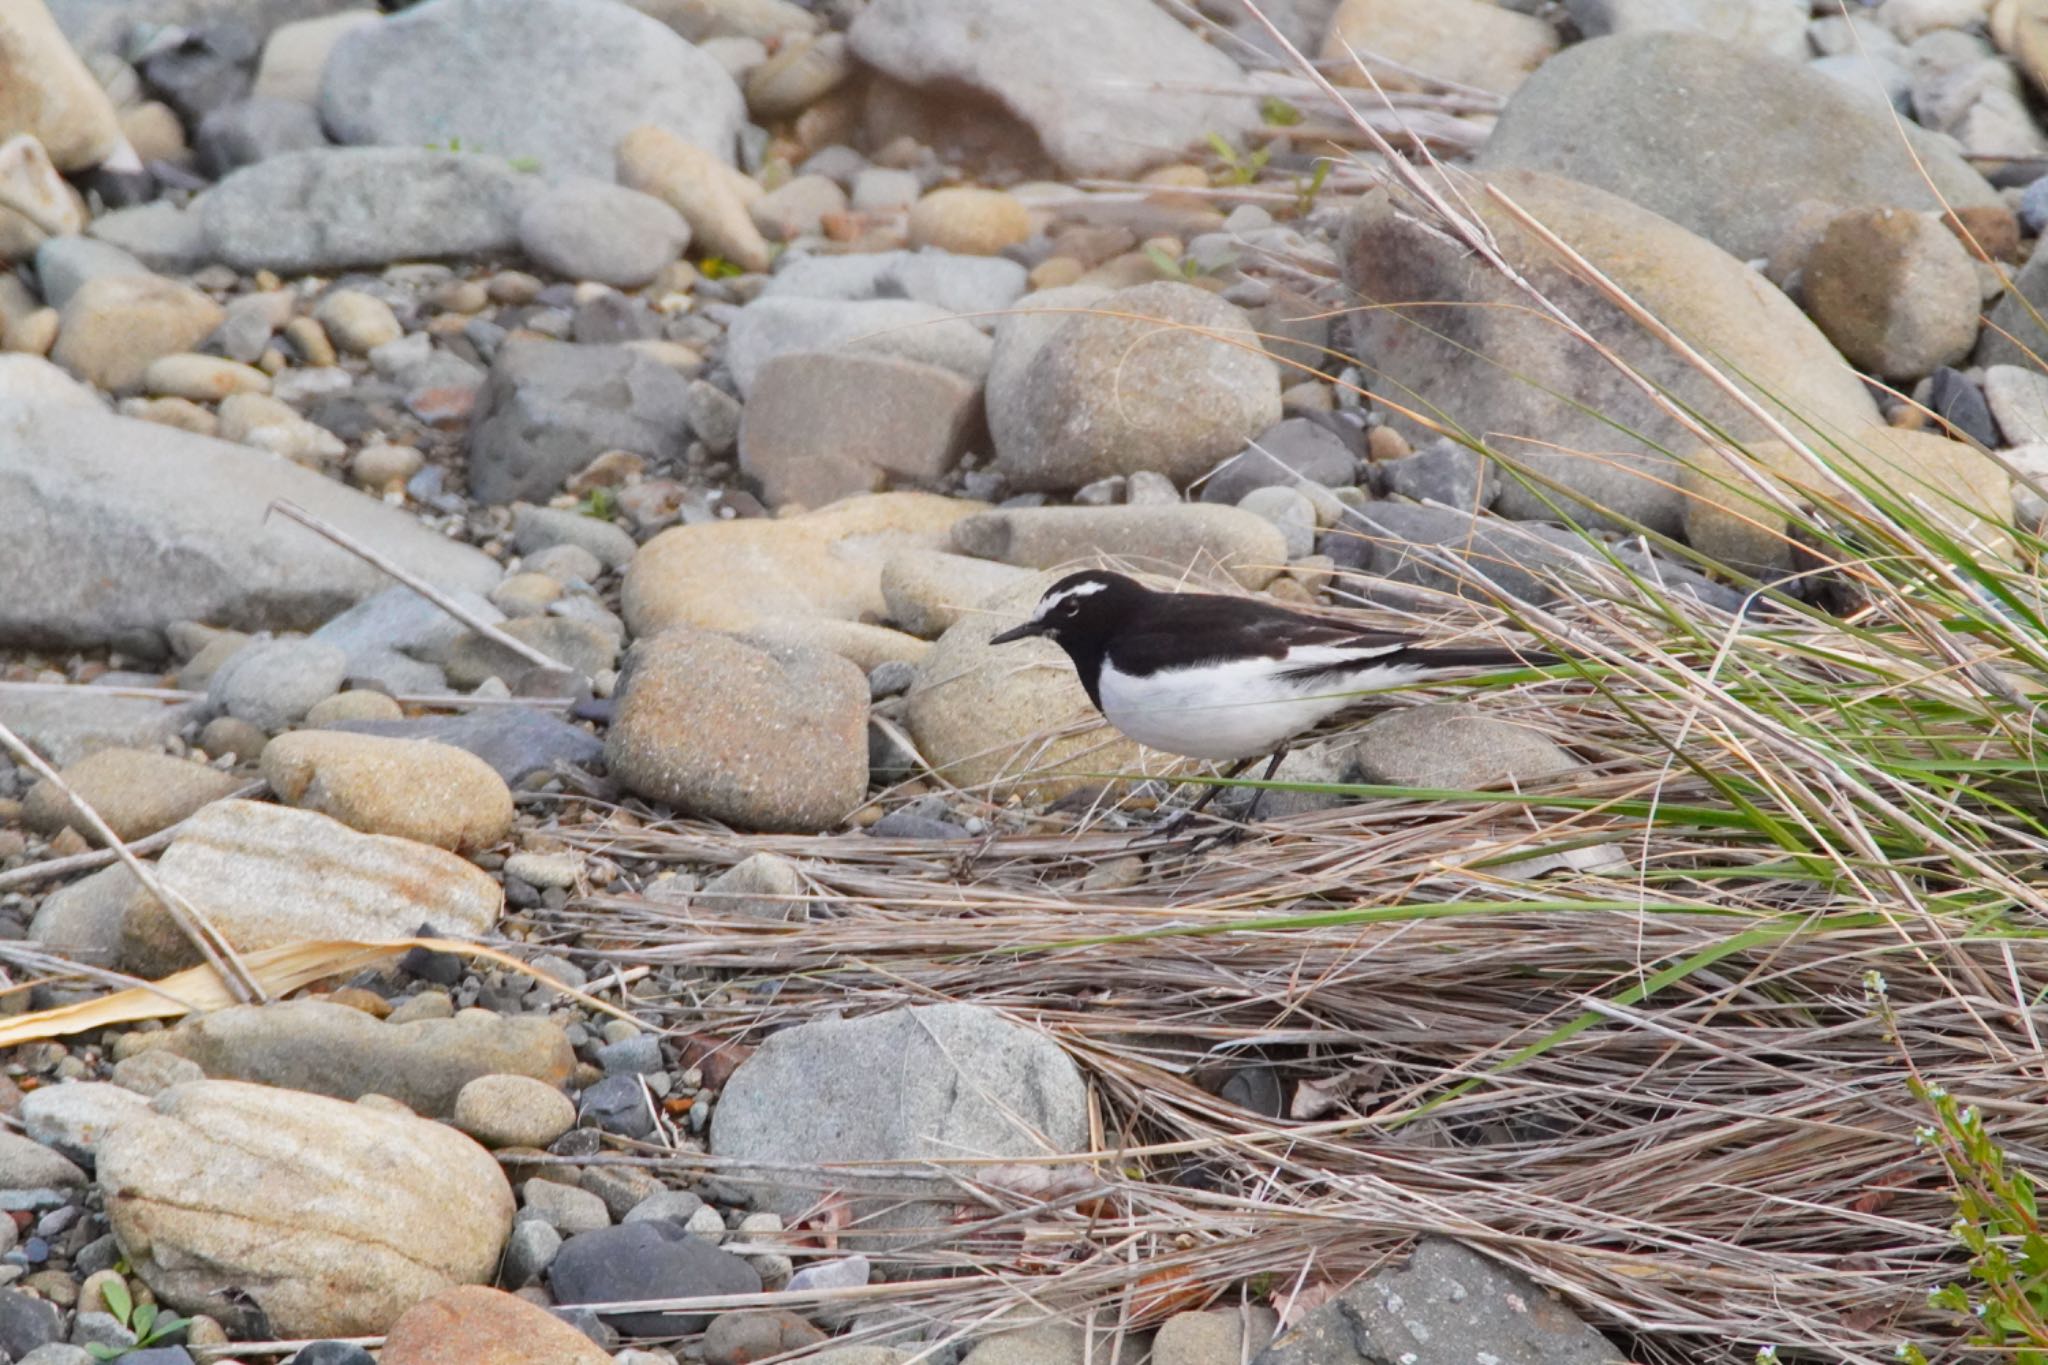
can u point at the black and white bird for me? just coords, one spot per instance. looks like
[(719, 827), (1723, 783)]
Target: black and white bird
[(1229, 679)]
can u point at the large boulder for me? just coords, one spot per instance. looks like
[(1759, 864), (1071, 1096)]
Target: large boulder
[(116, 528), (1493, 365), (934, 1083), (340, 207), (557, 81), (332, 1219), (1603, 112), (1109, 87)]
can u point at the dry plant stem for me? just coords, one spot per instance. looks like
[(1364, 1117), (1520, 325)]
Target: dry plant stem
[(86, 862), (418, 585), (191, 921)]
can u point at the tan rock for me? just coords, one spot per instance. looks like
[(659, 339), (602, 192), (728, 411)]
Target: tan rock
[(758, 739), (46, 91), (1012, 719), (1170, 540), (136, 793), (801, 72), (407, 788), (928, 590), (31, 187), (513, 1111), (333, 1218), (1731, 521), (968, 220), (114, 326), (824, 425), (1470, 42), (711, 196), (202, 378), (154, 131), (357, 322), (478, 1326), (270, 875), (295, 55), (733, 575), (182, 413), (360, 703), (1895, 291)]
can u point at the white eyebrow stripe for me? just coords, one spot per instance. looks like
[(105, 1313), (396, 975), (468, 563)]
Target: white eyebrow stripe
[(1054, 599)]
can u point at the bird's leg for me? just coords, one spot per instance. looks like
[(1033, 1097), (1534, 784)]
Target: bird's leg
[(1181, 821), (1272, 766)]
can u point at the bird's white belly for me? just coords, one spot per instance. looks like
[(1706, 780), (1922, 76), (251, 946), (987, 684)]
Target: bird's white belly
[(1222, 711)]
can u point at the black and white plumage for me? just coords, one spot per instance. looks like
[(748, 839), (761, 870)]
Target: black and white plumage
[(1226, 678)]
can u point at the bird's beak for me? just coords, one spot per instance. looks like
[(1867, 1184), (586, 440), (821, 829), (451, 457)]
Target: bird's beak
[(1023, 632)]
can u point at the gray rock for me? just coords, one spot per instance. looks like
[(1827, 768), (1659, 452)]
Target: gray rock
[(398, 637), (1449, 748), (639, 1055), (1109, 87), (564, 1208), (101, 1329), (552, 407), (206, 67), (1558, 397), (529, 1251), (82, 921), (1290, 511), (344, 1053), (715, 417), (1221, 1336), (1451, 551), (595, 230), (155, 1071), (1777, 27), (824, 425), (760, 886), (2018, 398), (1293, 451), (1170, 540), (537, 528), (27, 1322), (586, 648), (252, 130), (1447, 1306), (958, 284), (675, 1206), (32, 1177), (75, 1119), (87, 500), (928, 1083), (559, 81), (340, 207), (273, 683), (766, 739), (2011, 335), (777, 324), (647, 1260), (94, 27), (66, 726), (162, 235), (64, 264), (1601, 112), (63, 1353), (1115, 392), (516, 741), (1884, 84), (1445, 473), (1057, 1343)]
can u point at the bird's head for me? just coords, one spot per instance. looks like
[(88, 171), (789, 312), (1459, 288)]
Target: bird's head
[(1078, 609)]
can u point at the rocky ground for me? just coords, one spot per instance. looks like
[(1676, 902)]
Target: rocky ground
[(729, 371)]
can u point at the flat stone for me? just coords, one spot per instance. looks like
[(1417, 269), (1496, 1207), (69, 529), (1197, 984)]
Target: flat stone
[(823, 425), (33, 1177), (955, 283), (1777, 27), (593, 230), (74, 1120), (135, 792), (1108, 87), (761, 739), (517, 742), (332, 1218), (647, 1260), (274, 683), (341, 207), (927, 591), (83, 921), (270, 875), (697, 183), (411, 789), (927, 1083), (761, 886), (344, 1053), (64, 265), (1171, 541), (557, 81), (1222, 1336), (1450, 748), (1297, 450), (86, 497), (777, 324), (66, 726), (1601, 112), (1895, 291), (550, 408)]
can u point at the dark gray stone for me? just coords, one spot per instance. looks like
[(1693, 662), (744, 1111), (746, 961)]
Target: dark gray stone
[(208, 68), (333, 1353), (65, 264), (1290, 452), (2010, 336), (252, 130), (1448, 1306), (529, 1251), (549, 408), (655, 1259), (1442, 472), (558, 81), (1953, 398), (618, 1105), (95, 26), (639, 1055), (27, 1322)]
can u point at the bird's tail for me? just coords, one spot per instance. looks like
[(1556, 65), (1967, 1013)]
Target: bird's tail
[(1475, 656)]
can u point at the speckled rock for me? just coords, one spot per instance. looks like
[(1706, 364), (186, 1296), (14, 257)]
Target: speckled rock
[(411, 789), (136, 793), (1103, 395), (513, 1111), (302, 1204), (770, 740), (969, 220)]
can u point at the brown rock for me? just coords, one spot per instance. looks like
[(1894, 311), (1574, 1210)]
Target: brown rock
[(473, 1325), (968, 220), (136, 793), (114, 326), (1895, 291), (759, 739), (408, 788), (757, 1334), (823, 425)]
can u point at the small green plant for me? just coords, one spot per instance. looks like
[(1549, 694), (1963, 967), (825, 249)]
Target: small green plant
[(600, 502), (1239, 168), (1997, 1221), (718, 268), (1186, 268), (525, 165), (149, 1324), (1278, 112), (1306, 188), (528, 165)]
